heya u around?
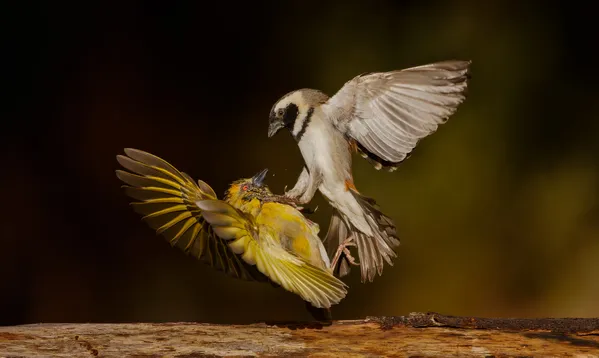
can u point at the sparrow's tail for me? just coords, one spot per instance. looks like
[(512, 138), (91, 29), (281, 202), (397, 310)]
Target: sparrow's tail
[(373, 248)]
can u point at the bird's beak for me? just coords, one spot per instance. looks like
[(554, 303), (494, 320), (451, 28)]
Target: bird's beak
[(275, 125), (258, 179)]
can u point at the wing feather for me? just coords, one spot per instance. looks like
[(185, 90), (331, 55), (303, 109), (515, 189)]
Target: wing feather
[(166, 199), (388, 113), (188, 215), (258, 245)]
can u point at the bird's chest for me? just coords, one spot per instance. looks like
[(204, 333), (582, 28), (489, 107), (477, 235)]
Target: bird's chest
[(319, 143), (251, 207), (327, 150)]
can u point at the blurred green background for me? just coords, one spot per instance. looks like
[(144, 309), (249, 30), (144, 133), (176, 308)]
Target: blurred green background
[(497, 211)]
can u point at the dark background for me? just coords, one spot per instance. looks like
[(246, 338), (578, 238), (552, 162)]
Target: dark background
[(497, 211)]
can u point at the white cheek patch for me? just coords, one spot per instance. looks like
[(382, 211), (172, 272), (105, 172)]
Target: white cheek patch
[(299, 122), (302, 108)]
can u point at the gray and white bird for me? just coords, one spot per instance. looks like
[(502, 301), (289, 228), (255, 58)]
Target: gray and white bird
[(380, 115)]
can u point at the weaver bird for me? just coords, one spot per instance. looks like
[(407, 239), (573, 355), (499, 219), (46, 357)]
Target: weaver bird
[(380, 115), (251, 234)]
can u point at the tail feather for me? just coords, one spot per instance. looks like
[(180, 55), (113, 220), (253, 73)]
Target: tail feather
[(370, 256), (335, 235), (372, 250)]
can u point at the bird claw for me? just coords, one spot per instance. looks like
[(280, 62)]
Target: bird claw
[(349, 257), (343, 249)]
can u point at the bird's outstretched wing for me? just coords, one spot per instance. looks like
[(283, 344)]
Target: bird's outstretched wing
[(167, 200), (258, 247), (387, 113)]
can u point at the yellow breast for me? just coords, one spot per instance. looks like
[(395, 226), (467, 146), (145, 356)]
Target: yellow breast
[(251, 207)]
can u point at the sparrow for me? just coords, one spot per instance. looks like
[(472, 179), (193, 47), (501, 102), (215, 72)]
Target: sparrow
[(380, 115), (250, 234)]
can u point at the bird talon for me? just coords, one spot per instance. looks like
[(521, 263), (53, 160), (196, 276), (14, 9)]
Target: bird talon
[(343, 249), (349, 257)]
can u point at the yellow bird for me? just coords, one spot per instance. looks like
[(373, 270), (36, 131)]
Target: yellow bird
[(252, 234)]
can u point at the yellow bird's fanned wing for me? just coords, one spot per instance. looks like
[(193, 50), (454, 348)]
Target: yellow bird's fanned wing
[(258, 247), (167, 200)]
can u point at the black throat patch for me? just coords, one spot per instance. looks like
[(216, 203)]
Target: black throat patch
[(307, 120)]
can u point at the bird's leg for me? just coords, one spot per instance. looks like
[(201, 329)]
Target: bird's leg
[(343, 249), (293, 201), (300, 186), (314, 182), (282, 199)]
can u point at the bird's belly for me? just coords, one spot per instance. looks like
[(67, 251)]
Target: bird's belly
[(333, 158)]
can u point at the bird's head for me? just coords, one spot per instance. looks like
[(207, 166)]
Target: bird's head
[(293, 109), (245, 190)]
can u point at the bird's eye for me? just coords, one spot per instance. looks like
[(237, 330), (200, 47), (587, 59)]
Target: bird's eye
[(280, 111), (245, 187)]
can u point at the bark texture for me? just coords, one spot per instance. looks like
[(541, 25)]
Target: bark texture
[(416, 335)]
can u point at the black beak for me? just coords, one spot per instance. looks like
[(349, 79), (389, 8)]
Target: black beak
[(275, 125), (258, 179)]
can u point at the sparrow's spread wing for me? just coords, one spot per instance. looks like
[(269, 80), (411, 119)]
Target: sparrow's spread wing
[(259, 246), (167, 200), (386, 114)]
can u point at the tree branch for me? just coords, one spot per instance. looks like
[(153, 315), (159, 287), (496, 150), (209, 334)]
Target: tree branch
[(419, 334)]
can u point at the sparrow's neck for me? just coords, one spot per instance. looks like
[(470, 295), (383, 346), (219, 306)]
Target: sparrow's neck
[(301, 124)]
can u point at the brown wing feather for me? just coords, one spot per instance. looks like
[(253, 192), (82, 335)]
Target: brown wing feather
[(389, 113)]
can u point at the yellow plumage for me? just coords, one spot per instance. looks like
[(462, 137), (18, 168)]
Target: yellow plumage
[(251, 234)]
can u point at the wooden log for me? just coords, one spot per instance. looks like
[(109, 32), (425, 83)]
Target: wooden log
[(415, 335)]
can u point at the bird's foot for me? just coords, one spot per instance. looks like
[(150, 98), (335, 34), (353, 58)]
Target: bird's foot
[(292, 193), (282, 199), (349, 257), (297, 203), (344, 249)]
